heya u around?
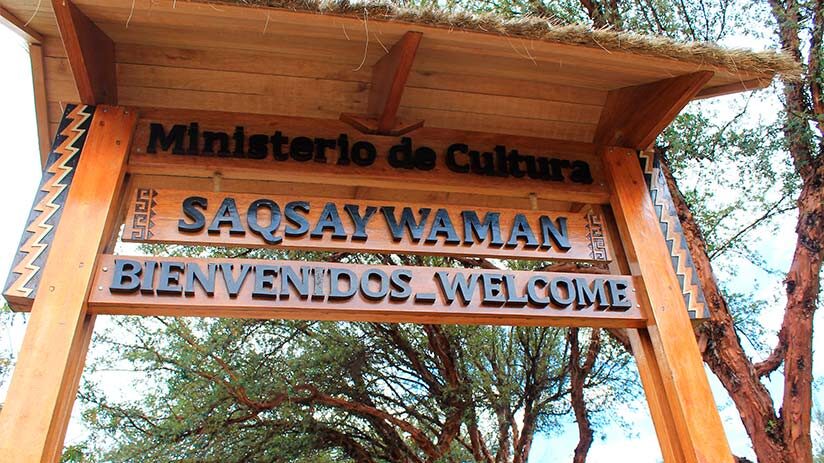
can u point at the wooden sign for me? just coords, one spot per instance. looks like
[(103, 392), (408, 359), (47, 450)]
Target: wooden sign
[(254, 220), (295, 149), (329, 291)]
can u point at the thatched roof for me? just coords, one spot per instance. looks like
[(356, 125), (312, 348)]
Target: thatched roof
[(536, 28)]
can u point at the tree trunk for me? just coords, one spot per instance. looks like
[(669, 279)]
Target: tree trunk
[(577, 379)]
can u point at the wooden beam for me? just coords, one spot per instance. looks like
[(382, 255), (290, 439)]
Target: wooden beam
[(657, 400), (634, 116), (44, 382), (669, 360), (389, 80), (735, 87), (389, 76), (19, 26), (41, 110), (90, 52)]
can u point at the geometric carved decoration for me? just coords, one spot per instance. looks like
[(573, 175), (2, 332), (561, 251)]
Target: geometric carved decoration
[(595, 234), (674, 236), (24, 277), (143, 214)]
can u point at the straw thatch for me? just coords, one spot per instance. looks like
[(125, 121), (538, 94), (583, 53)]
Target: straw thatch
[(734, 60)]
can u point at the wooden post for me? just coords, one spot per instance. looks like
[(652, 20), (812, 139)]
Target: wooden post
[(667, 351), (644, 354), (44, 384)]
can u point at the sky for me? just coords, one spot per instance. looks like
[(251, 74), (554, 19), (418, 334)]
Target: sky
[(20, 175)]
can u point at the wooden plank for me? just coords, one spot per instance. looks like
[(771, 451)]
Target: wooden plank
[(491, 201), (445, 100), (644, 353), (295, 104), (389, 76), (40, 102), (653, 381), (368, 293), (274, 63), (194, 218), (734, 87), (90, 53), (267, 20), (31, 430), (285, 91), (296, 101), (61, 90), (475, 122), (263, 21), (692, 406), (573, 71), (567, 180), (39, 15), (634, 116), (53, 47), (20, 27)]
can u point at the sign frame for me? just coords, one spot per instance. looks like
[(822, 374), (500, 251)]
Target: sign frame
[(63, 316)]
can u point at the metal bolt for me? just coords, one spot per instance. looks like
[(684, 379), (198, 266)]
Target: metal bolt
[(117, 142), (51, 288), (100, 288), (80, 265), (638, 305), (139, 150), (106, 269)]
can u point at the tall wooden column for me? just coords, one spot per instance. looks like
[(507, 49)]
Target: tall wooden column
[(669, 361), (42, 390)]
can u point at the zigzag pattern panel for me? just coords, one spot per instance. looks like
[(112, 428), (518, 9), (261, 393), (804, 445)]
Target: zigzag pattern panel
[(674, 235), (24, 276)]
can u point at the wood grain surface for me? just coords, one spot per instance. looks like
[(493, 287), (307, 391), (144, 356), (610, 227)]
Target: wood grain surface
[(156, 215), (167, 286)]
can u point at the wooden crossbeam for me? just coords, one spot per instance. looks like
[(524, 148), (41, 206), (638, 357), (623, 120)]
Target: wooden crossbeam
[(19, 26), (734, 87), (634, 116), (389, 77), (90, 52)]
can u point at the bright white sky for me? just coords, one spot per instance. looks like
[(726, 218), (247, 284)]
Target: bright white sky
[(20, 174)]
